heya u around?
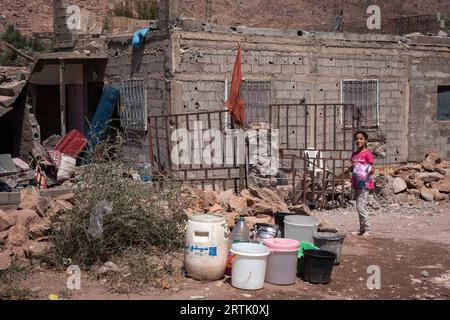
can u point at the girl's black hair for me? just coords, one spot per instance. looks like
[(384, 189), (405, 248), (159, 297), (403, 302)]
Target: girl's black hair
[(365, 135)]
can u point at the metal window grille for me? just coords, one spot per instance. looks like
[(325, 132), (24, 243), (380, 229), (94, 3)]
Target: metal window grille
[(364, 95), (133, 105), (257, 99)]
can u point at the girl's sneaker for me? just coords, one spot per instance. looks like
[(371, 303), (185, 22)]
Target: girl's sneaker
[(358, 233)]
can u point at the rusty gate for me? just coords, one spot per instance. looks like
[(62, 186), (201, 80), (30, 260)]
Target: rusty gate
[(315, 144), (168, 132)]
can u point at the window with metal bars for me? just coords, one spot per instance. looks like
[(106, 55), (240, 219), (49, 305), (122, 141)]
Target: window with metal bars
[(133, 104), (257, 99), (363, 94)]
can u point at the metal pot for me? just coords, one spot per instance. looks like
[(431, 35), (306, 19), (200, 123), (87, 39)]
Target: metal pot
[(265, 231)]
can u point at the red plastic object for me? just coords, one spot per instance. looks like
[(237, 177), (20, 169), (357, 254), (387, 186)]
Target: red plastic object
[(72, 143)]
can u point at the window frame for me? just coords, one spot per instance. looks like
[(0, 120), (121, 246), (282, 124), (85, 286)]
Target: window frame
[(122, 106), (244, 80), (437, 105), (347, 126)]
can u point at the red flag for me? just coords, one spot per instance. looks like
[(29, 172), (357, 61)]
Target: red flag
[(235, 103)]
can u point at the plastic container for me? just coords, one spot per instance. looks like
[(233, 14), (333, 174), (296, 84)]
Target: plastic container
[(300, 228), (240, 233), (330, 242), (318, 266), (265, 231), (249, 265), (279, 220), (207, 244), (282, 261), (301, 258)]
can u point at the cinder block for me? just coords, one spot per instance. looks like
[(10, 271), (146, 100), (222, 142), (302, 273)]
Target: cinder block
[(288, 69)]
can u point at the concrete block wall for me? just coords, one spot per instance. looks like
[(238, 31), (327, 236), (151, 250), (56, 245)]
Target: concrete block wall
[(148, 63), (298, 71), (426, 133)]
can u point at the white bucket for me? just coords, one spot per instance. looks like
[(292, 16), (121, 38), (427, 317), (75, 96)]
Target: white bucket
[(300, 228), (249, 265), (206, 247), (66, 168)]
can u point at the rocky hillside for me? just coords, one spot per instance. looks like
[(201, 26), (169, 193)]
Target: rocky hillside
[(36, 15)]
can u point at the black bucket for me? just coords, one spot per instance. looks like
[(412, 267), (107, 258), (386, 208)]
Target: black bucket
[(318, 266), (279, 220)]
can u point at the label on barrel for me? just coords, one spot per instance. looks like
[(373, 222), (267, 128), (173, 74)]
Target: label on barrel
[(202, 251)]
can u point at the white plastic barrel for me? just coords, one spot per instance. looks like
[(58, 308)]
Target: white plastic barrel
[(206, 247), (300, 228), (249, 265)]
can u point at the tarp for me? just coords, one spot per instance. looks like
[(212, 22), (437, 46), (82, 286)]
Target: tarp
[(235, 103), (102, 115), (139, 37)]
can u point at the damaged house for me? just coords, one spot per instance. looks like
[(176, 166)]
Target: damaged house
[(317, 88)]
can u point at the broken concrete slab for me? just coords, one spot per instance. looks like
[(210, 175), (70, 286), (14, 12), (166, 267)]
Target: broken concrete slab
[(12, 88), (7, 165), (6, 101)]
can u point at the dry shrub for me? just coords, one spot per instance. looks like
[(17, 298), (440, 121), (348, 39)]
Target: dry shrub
[(11, 279), (139, 268), (142, 216)]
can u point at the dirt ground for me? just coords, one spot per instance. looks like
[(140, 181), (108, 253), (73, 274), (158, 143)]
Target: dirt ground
[(412, 250)]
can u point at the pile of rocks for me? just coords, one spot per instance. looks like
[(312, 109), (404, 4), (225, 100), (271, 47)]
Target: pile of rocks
[(24, 230), (429, 180), (256, 205)]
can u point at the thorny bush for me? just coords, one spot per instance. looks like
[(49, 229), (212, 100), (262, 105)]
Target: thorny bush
[(143, 216)]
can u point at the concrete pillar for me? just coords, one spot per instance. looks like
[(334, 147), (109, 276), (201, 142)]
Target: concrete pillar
[(63, 37), (168, 11)]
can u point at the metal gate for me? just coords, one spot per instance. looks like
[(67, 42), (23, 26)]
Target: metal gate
[(315, 150)]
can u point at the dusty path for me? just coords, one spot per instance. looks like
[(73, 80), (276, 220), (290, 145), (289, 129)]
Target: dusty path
[(411, 249)]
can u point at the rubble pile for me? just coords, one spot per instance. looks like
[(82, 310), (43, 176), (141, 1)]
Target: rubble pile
[(54, 163), (413, 184), (24, 230), (256, 205)]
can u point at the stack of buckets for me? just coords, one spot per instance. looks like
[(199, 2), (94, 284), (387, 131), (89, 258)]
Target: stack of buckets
[(303, 252)]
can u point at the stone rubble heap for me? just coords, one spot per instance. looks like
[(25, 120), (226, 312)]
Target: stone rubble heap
[(24, 230), (417, 185), (256, 205), (429, 180)]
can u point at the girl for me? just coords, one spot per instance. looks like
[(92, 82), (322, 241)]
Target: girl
[(362, 181)]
